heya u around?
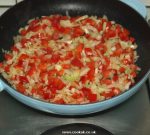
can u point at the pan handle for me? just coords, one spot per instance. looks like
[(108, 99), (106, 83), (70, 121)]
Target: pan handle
[(1, 86), (136, 5)]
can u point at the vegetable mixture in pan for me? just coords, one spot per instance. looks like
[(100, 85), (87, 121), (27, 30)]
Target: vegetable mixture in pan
[(71, 60)]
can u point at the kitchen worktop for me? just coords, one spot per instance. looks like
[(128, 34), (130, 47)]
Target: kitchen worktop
[(129, 118)]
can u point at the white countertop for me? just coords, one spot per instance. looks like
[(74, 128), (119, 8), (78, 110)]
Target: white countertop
[(146, 2)]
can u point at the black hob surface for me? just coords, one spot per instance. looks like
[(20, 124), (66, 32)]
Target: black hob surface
[(129, 118)]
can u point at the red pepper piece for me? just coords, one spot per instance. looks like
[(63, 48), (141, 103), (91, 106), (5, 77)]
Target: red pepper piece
[(116, 91), (55, 58), (60, 101), (76, 62), (88, 93), (88, 51), (23, 79), (20, 88), (78, 50), (8, 56)]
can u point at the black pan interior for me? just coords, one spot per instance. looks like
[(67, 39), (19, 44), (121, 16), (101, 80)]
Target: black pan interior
[(16, 17)]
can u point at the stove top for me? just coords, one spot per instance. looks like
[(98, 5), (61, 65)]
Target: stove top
[(129, 118)]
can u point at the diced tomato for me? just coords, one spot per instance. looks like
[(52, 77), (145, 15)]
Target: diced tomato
[(76, 62)]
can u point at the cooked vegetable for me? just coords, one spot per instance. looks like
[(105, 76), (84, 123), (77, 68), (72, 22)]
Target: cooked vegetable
[(71, 60)]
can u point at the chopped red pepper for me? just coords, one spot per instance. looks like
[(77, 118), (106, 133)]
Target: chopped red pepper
[(88, 93), (76, 62), (8, 56), (20, 88), (55, 58), (48, 54)]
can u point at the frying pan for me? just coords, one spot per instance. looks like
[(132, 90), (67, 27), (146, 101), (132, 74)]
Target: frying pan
[(17, 16)]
